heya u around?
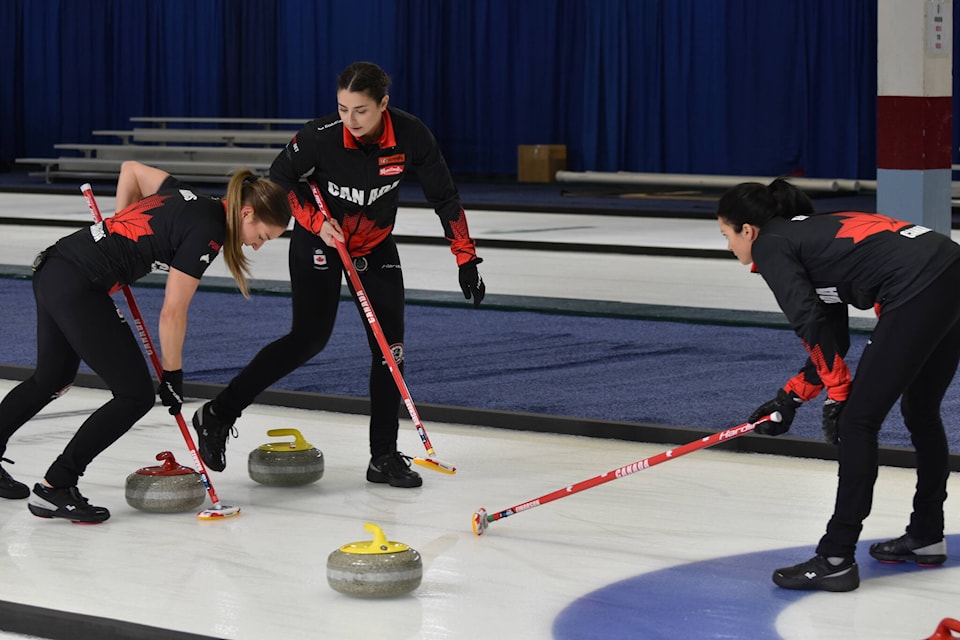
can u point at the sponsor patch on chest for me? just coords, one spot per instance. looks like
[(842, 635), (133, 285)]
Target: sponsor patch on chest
[(392, 170), (392, 165)]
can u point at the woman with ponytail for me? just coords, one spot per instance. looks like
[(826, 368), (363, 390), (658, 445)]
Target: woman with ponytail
[(816, 265), (162, 224)]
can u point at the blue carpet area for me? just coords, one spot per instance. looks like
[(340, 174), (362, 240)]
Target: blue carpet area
[(599, 368)]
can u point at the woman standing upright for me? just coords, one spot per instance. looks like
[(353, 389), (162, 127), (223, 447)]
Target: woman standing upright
[(816, 265), (357, 157), (160, 223)]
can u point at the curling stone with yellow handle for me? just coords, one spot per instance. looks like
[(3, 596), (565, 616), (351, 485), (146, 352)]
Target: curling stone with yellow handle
[(374, 569), (285, 464), (169, 488)]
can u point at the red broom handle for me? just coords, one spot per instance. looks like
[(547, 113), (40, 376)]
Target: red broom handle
[(481, 518), (375, 327)]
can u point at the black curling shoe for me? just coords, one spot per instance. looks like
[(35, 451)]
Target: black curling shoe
[(212, 435), (819, 573), (67, 503), (909, 549), (10, 488), (393, 469)]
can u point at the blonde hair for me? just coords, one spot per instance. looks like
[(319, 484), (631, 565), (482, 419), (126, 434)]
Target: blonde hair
[(269, 202)]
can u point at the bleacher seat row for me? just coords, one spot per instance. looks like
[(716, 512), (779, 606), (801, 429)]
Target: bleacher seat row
[(207, 154)]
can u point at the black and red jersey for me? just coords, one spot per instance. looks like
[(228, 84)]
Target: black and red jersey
[(861, 259), (173, 228), (360, 182)]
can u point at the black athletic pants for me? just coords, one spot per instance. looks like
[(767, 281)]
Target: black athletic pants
[(77, 322), (315, 278), (912, 355)]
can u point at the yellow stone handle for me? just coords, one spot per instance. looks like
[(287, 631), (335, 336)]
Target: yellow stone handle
[(379, 537), (298, 444), (379, 544)]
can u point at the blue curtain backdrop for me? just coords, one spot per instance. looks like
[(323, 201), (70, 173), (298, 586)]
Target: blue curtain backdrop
[(742, 87)]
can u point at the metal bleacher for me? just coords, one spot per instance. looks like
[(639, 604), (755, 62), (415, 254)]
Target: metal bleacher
[(201, 154)]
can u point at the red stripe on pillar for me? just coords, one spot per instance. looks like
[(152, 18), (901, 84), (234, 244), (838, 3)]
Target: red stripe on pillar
[(914, 132)]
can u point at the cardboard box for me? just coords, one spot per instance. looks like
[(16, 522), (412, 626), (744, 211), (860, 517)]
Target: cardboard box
[(540, 162)]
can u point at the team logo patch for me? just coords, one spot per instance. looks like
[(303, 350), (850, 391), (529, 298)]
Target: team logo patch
[(396, 350), (392, 170), (319, 259)]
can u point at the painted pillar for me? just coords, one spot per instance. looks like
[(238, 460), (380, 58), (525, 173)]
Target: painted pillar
[(914, 110)]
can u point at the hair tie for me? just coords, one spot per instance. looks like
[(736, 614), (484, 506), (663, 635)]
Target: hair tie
[(250, 179)]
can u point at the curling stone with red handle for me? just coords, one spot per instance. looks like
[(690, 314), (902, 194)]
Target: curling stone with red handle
[(169, 488)]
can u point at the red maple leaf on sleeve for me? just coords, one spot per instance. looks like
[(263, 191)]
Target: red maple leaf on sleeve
[(134, 222), (858, 226)]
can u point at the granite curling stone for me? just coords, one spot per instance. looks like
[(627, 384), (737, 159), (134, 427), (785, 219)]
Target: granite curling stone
[(285, 464), (168, 488), (374, 569)]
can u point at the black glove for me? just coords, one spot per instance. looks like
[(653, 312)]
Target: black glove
[(171, 390), (471, 283), (786, 403), (831, 420)]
